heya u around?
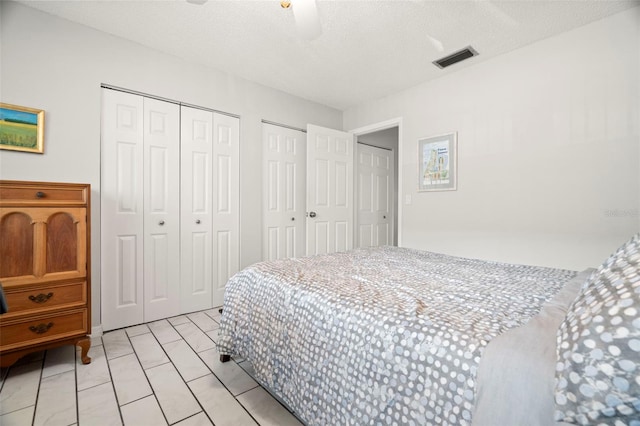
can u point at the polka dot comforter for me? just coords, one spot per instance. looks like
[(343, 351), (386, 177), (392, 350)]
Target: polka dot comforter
[(377, 336)]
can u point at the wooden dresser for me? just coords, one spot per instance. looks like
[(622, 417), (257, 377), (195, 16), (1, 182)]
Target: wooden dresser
[(44, 267)]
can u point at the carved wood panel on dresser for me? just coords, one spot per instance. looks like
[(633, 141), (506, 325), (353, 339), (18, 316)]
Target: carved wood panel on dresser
[(44, 267)]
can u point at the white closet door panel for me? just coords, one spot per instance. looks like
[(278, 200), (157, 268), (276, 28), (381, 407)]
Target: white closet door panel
[(226, 206), (329, 190), (200, 265), (127, 277), (196, 205), (284, 187), (162, 209), (122, 207), (375, 186), (319, 237)]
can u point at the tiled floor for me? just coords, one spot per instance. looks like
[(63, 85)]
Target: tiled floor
[(164, 372)]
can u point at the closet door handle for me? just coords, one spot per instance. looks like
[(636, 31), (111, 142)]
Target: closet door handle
[(161, 223)]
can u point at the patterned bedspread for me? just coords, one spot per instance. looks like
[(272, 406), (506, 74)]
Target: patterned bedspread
[(377, 336)]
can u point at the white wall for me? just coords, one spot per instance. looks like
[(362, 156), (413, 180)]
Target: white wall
[(548, 150), (55, 65)]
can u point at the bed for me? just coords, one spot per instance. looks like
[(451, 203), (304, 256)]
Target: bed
[(401, 336)]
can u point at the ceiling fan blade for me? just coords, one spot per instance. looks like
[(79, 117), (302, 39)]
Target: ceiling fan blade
[(307, 18)]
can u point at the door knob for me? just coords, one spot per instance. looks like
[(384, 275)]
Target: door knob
[(312, 214), (198, 221), (384, 217), (293, 218), (161, 223)]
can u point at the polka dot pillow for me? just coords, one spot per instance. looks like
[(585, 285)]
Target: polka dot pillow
[(598, 370)]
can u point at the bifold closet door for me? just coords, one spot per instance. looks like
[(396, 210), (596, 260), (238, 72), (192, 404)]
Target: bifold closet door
[(161, 209), (139, 209), (122, 221), (210, 206), (196, 208), (226, 202)]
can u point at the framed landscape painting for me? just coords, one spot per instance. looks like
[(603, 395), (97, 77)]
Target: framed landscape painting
[(21, 128)]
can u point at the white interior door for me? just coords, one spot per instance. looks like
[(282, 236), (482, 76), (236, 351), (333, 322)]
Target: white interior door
[(329, 190), (226, 202), (161, 209), (196, 208), (122, 214), (375, 196), (284, 187)]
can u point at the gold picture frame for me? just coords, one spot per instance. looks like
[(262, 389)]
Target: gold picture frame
[(21, 128)]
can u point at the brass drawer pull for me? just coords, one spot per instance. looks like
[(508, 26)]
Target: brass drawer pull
[(41, 328), (41, 298)]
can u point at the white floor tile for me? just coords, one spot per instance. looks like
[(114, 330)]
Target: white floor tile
[(266, 410), (149, 351), (128, 379), (96, 372), (164, 331), (186, 361), (203, 321), (248, 367), (174, 397), (59, 360), (20, 388), (144, 411), (137, 330), (213, 335), (199, 419), (195, 337), (57, 400), (96, 340), (234, 377), (98, 406), (116, 343), (54, 387), (180, 319), (214, 313), (18, 418), (220, 405)]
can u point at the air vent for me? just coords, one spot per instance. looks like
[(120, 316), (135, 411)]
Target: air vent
[(460, 55)]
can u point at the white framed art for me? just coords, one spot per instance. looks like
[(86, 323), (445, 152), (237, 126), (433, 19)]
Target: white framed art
[(438, 163)]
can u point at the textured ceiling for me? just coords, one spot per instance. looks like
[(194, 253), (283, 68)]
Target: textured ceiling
[(368, 49)]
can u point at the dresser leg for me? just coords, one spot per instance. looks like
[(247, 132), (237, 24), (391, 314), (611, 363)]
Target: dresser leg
[(85, 344)]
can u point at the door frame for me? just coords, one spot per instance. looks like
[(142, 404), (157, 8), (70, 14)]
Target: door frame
[(375, 127)]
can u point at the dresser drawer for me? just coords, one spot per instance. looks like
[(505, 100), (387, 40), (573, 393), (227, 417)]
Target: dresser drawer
[(34, 193), (42, 329), (21, 300)]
